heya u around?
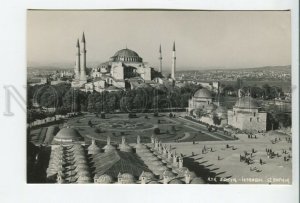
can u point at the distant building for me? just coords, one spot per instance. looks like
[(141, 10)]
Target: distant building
[(37, 81), (118, 71)]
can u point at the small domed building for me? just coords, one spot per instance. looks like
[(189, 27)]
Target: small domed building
[(200, 99), (67, 136), (202, 107), (93, 148), (246, 115)]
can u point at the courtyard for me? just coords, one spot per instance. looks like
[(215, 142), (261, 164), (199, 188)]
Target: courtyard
[(165, 128)]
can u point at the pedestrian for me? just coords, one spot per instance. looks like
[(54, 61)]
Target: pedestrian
[(193, 154), (260, 161)]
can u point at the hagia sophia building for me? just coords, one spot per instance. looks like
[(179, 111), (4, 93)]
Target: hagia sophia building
[(125, 69)]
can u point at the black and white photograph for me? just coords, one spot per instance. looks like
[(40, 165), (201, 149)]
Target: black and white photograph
[(159, 97), (138, 101)]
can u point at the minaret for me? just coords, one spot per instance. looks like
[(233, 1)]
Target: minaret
[(173, 62), (77, 63), (83, 61), (160, 59)]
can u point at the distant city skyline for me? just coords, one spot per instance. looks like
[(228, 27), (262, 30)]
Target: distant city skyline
[(219, 39)]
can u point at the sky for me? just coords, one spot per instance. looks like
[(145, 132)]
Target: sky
[(220, 39)]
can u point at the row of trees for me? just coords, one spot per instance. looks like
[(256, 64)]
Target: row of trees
[(66, 99), (266, 91)]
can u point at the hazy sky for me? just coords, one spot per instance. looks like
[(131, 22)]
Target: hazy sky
[(203, 38)]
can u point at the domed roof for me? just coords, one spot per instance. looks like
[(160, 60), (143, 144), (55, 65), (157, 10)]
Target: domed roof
[(93, 148), (67, 134), (103, 179), (246, 102), (197, 180), (125, 148), (175, 181), (180, 171), (203, 93), (148, 175), (108, 148), (126, 53), (83, 173), (127, 178), (83, 179)]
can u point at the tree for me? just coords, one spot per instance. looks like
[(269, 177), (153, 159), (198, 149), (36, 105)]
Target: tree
[(98, 130), (228, 90), (216, 120), (284, 120), (239, 83), (272, 122), (199, 112), (156, 131)]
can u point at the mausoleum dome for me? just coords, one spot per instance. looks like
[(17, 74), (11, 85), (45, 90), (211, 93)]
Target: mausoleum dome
[(246, 102), (203, 93)]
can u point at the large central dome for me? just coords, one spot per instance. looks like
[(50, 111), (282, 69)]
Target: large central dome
[(126, 55)]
